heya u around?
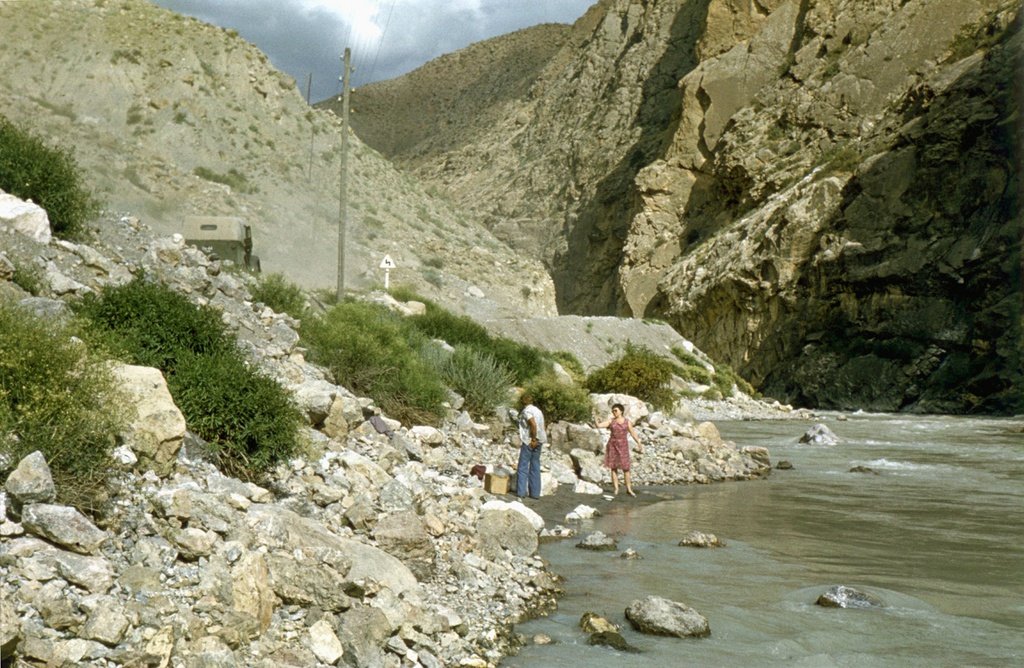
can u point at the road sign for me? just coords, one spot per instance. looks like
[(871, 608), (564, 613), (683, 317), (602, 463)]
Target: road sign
[(387, 264)]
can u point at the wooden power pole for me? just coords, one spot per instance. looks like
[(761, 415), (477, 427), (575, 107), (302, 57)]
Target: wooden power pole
[(343, 205)]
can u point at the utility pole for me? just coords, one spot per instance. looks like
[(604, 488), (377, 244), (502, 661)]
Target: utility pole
[(343, 205)]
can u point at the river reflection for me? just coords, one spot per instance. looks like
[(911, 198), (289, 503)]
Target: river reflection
[(936, 530)]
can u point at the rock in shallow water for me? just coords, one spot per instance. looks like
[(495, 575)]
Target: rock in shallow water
[(841, 596)]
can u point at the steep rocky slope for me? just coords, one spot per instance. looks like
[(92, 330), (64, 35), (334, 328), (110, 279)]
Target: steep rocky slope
[(825, 194), (368, 548), (170, 116)]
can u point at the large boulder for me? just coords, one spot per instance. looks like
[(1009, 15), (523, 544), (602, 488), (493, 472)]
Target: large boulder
[(659, 616), (156, 433), (405, 536), (64, 526), (819, 434), (500, 530), (25, 217), (282, 530)]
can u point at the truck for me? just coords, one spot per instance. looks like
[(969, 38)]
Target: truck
[(224, 238)]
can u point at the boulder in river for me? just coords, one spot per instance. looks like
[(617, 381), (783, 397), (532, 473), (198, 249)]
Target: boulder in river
[(598, 541), (841, 596), (659, 616), (611, 639), (819, 434), (699, 539)]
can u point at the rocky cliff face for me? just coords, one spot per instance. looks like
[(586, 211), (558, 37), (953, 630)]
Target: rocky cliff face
[(824, 193)]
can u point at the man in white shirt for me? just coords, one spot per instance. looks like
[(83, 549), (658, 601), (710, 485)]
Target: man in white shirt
[(532, 436)]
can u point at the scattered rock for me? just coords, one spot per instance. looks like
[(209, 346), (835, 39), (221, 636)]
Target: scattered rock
[(659, 616), (597, 541), (819, 434), (694, 538), (841, 596)]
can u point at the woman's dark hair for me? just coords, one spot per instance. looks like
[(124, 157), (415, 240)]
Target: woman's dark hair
[(622, 409)]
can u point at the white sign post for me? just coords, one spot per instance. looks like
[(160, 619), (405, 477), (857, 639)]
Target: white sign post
[(387, 264)]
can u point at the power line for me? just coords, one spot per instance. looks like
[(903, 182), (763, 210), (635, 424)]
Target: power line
[(380, 42)]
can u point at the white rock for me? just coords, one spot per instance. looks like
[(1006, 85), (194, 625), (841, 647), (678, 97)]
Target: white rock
[(584, 487), (535, 520), (25, 217)]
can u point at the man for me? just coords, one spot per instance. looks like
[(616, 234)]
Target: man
[(532, 436)]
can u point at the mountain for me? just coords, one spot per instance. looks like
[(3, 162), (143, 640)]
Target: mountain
[(170, 116), (826, 195)]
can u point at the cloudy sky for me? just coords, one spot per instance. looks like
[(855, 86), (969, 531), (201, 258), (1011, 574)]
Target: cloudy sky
[(388, 38)]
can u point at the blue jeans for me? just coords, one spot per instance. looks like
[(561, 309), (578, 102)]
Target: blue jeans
[(528, 473)]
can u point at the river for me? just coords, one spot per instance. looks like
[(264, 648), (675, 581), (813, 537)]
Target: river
[(937, 532)]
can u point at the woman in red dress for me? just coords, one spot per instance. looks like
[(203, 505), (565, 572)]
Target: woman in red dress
[(616, 456)]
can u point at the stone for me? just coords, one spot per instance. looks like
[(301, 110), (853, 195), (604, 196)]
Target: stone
[(612, 639), (535, 520), (427, 435), (193, 543), (841, 596), (251, 591), (54, 310), (157, 431), (94, 574), (210, 652), (405, 536), (324, 643), (582, 512), (598, 542), (64, 526), (695, 538), (25, 217), (588, 466), (363, 632), (10, 628), (106, 623), (307, 581), (819, 434), (281, 529), (500, 530), (659, 616), (31, 482), (591, 622)]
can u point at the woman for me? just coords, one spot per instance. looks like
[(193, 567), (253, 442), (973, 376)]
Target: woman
[(616, 456)]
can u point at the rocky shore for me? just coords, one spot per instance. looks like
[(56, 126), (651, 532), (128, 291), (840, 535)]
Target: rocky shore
[(378, 546)]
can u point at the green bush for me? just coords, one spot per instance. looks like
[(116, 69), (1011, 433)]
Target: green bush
[(59, 397), (280, 294), (479, 378), (50, 177), (725, 378), (29, 278), (523, 361), (372, 352), (154, 325), (247, 418), (559, 401), (691, 368), (640, 373), (571, 364)]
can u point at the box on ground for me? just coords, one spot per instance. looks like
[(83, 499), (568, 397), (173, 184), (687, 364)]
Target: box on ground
[(496, 484)]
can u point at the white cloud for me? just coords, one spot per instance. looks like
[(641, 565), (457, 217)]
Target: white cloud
[(388, 38)]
